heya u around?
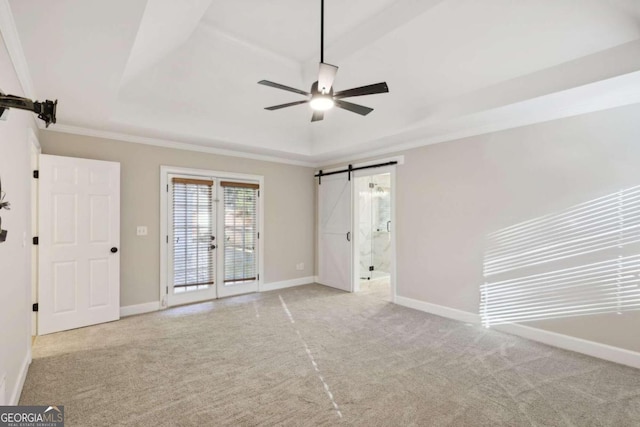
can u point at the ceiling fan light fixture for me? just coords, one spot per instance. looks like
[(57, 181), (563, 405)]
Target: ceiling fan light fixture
[(321, 102), (321, 97)]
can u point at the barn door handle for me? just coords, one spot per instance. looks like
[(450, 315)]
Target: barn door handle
[(114, 250), (348, 236)]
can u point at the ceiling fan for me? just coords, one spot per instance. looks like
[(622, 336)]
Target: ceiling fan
[(321, 97)]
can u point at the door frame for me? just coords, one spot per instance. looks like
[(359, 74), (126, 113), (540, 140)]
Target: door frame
[(355, 256), (356, 235), (35, 150), (164, 220)]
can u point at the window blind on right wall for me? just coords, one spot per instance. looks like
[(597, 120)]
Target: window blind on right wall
[(240, 231)]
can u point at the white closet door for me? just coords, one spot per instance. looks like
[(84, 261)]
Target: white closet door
[(79, 218), (335, 236)]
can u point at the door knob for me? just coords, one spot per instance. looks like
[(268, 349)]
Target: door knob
[(213, 247), (114, 250)]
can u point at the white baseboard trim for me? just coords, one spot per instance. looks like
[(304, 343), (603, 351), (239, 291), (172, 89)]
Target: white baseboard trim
[(439, 310), (17, 390), (147, 307), (579, 345), (566, 342), (286, 283)]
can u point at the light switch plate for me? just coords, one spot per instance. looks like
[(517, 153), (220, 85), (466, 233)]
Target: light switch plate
[(141, 230)]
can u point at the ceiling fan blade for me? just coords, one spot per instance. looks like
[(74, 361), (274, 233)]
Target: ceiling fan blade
[(317, 116), (290, 104), (326, 76), (283, 87), (354, 108), (363, 90)]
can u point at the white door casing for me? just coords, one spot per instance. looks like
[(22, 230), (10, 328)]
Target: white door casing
[(34, 159), (335, 232), (79, 225)]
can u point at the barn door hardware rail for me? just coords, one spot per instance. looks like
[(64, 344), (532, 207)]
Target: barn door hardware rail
[(351, 169)]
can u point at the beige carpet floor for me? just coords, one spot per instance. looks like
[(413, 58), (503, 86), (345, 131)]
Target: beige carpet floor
[(312, 355)]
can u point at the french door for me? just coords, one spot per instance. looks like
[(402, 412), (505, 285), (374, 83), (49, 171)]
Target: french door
[(192, 241), (212, 238)]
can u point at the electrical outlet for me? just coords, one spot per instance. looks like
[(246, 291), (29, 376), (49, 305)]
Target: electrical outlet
[(141, 230), (300, 266)]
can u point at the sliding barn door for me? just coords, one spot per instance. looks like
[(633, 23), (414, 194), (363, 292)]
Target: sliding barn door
[(79, 224), (335, 236)]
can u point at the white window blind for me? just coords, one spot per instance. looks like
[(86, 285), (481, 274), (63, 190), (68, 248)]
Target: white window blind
[(192, 233), (240, 231)]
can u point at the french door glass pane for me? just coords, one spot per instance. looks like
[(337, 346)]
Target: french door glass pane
[(240, 233), (193, 266)]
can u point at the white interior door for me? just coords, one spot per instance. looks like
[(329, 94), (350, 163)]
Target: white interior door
[(79, 239), (335, 255)]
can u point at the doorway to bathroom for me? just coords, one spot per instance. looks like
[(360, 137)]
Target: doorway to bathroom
[(373, 238)]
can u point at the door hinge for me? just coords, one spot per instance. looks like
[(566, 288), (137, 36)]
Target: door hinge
[(167, 290), (371, 268), (258, 234), (258, 193), (167, 238), (36, 240), (167, 188), (258, 277), (36, 174), (34, 307)]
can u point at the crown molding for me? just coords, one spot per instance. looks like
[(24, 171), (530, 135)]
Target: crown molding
[(14, 47), (157, 142)]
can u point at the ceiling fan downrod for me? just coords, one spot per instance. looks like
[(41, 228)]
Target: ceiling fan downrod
[(321, 30)]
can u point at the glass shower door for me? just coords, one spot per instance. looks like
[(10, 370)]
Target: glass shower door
[(381, 226)]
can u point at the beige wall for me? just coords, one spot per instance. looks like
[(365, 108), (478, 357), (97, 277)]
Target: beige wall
[(15, 256), (288, 197), (451, 195)]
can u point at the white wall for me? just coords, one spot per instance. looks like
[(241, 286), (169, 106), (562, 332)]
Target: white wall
[(450, 196), (15, 266)]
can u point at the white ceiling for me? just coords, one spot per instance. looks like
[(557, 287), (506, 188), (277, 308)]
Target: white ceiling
[(186, 70)]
